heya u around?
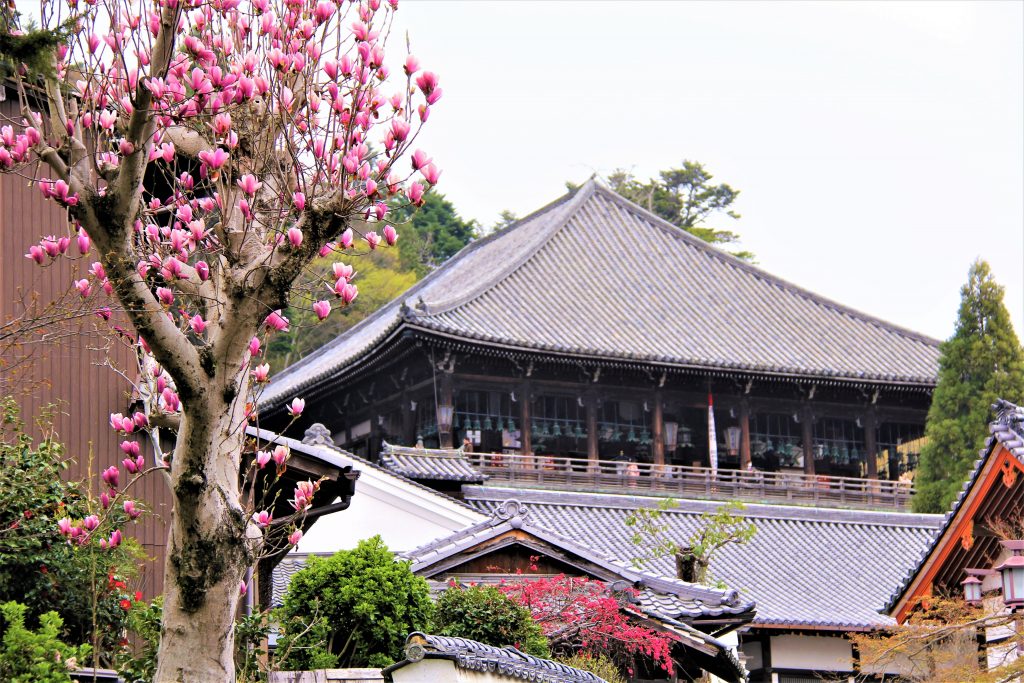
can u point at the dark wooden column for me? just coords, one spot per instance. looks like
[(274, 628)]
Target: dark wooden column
[(524, 417), (446, 396), (744, 434), (593, 451), (870, 423), (807, 427), (658, 432)]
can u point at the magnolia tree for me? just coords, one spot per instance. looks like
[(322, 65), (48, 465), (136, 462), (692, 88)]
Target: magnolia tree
[(206, 153)]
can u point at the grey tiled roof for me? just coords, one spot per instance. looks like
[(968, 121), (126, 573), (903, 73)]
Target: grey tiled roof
[(658, 593), (1007, 429), (812, 567), (430, 464), (508, 661), (594, 275)]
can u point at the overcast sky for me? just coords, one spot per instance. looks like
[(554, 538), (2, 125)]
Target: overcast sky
[(879, 148)]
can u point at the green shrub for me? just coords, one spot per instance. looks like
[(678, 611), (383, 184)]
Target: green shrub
[(599, 665), (485, 614), (362, 603), (36, 657)]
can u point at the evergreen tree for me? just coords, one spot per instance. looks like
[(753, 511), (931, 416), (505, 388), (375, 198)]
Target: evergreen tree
[(981, 362)]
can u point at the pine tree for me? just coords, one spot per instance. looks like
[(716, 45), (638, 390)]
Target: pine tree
[(981, 362)]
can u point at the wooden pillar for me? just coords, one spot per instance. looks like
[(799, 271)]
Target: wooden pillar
[(593, 452), (446, 397), (870, 423), (807, 427), (658, 435), (524, 417), (744, 435)]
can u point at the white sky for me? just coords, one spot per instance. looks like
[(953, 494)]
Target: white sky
[(879, 148)]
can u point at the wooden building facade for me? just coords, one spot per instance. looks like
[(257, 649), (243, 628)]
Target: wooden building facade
[(593, 329)]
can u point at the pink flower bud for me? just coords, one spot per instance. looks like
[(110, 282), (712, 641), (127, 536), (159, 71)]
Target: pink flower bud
[(431, 173), (64, 526), (130, 509), (203, 270), (105, 500), (261, 373), (372, 239), (345, 241), (322, 309), (419, 159), (296, 407), (91, 522), (249, 184), (165, 295), (295, 537), (242, 588), (294, 237), (299, 200), (83, 242), (197, 324), (254, 346), (130, 448), (390, 235), (280, 454)]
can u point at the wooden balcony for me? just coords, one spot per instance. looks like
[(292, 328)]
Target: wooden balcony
[(579, 474)]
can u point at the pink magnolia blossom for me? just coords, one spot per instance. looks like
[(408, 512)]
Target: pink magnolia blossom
[(277, 322), (419, 159), (322, 309), (64, 526), (37, 254), (372, 239), (91, 522), (111, 476), (431, 173), (280, 455), (165, 295), (249, 184), (83, 242), (345, 241), (294, 237), (105, 500), (262, 458), (412, 65), (214, 159), (203, 270), (342, 270), (296, 407), (254, 346), (349, 293), (197, 324), (242, 588), (261, 373), (263, 518), (415, 193), (299, 200), (295, 537), (130, 509), (130, 447), (390, 235), (83, 287)]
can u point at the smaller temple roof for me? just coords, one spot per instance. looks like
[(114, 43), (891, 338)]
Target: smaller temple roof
[(430, 464), (1007, 432), (475, 656), (659, 594), (828, 569)]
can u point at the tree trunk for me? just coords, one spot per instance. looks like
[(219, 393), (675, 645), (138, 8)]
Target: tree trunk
[(208, 551)]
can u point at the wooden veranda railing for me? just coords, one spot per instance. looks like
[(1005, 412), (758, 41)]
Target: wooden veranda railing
[(619, 477)]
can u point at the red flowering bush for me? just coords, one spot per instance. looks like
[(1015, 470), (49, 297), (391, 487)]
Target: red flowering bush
[(580, 615)]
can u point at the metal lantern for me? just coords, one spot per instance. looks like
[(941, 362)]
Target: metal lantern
[(488, 424), (511, 425), (501, 425), (579, 432), (556, 430), (685, 436), (632, 436), (476, 425), (972, 590), (444, 418), (1012, 572)]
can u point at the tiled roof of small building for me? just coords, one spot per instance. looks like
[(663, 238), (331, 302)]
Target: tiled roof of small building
[(1007, 429), (658, 592), (629, 286), (475, 656), (812, 567), (434, 464)]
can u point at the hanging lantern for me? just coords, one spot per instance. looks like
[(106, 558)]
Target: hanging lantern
[(511, 425), (768, 445), (579, 432), (444, 418), (476, 425), (732, 439), (671, 433), (972, 589), (455, 421), (556, 430), (1012, 571), (645, 438), (687, 436), (500, 426), (488, 424), (854, 454), (632, 436)]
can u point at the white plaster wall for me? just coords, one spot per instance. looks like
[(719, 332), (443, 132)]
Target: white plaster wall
[(427, 671), (405, 516), (819, 653)]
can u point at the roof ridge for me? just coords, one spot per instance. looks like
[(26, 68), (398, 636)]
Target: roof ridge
[(761, 273), (576, 199)]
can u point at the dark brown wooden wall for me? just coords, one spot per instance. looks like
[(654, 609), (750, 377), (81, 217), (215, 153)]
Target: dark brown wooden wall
[(67, 370)]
